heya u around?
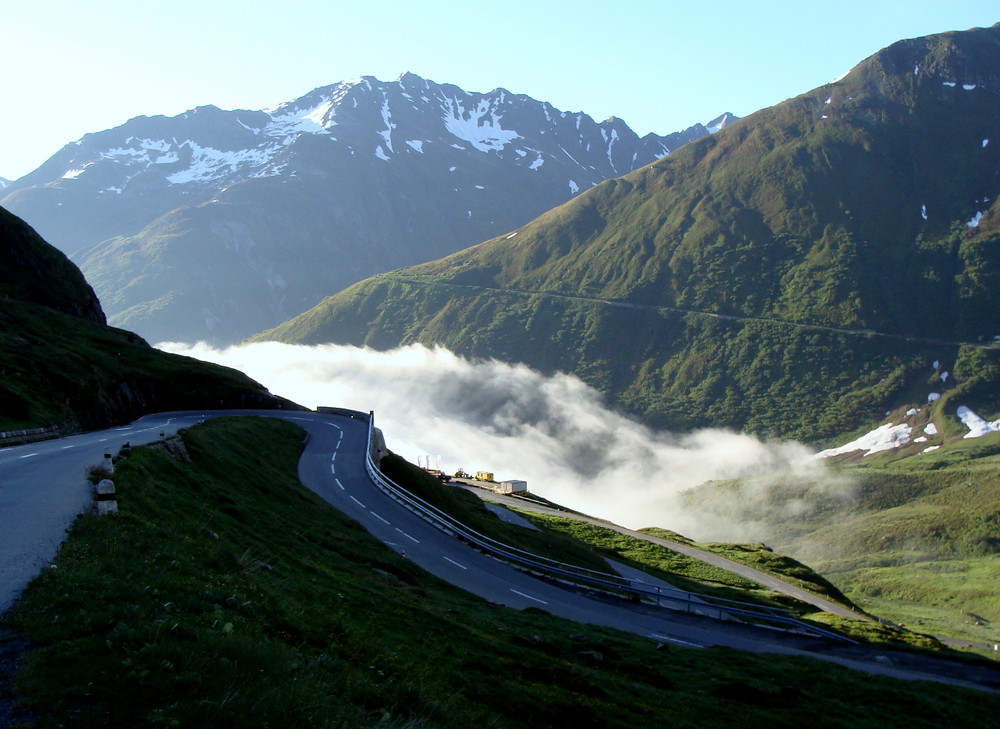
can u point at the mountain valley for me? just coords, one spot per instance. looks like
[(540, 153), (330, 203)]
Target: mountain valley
[(792, 275), (825, 270)]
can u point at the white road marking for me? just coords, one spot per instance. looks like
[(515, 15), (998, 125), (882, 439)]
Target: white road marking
[(380, 518), (456, 563), (28, 456), (66, 448), (407, 535), (333, 468), (675, 640), (516, 592), (337, 481), (357, 502)]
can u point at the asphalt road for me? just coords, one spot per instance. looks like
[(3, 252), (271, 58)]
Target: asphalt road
[(43, 487)]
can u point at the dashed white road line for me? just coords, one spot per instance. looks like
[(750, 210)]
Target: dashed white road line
[(449, 559), (407, 535), (357, 502), (29, 455), (379, 517), (333, 468), (518, 592), (66, 448), (339, 484)]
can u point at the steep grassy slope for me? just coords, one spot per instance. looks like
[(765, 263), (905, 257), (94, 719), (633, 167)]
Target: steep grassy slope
[(225, 594), (34, 272), (787, 275), (911, 537), (60, 365)]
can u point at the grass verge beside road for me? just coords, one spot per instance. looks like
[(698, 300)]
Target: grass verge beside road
[(225, 594)]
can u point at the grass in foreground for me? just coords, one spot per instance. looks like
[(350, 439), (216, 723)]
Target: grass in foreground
[(226, 595)]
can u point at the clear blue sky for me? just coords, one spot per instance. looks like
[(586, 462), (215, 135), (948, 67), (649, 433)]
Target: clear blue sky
[(77, 66)]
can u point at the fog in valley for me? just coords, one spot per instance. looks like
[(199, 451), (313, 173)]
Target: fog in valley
[(554, 432)]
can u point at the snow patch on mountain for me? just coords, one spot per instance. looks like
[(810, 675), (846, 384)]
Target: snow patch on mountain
[(313, 120), (479, 126), (208, 164), (139, 150), (976, 425), (74, 173), (883, 438), (387, 120), (720, 122)]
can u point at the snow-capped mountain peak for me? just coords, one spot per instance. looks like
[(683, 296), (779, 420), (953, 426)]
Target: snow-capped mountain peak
[(208, 146), (369, 175)]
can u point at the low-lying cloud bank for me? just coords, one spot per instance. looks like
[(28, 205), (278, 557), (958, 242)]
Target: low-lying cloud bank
[(552, 431)]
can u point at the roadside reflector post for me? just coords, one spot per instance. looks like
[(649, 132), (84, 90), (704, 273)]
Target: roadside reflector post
[(104, 494)]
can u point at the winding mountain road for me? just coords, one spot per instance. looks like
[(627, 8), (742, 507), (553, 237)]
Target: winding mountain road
[(677, 310), (43, 487)]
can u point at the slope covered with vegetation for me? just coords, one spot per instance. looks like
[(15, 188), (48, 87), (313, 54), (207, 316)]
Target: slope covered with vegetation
[(790, 274), (60, 365), (225, 594), (908, 535)]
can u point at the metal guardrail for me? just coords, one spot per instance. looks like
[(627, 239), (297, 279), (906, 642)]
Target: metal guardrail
[(601, 581)]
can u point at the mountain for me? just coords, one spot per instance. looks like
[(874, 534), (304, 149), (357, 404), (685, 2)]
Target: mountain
[(795, 274), (62, 366), (216, 224), (31, 271)]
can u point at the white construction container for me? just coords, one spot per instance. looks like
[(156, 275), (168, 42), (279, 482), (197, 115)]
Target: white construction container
[(511, 487)]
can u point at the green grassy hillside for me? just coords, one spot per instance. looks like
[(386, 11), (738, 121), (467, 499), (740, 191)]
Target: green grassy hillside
[(61, 366), (225, 594), (788, 275), (913, 538)]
